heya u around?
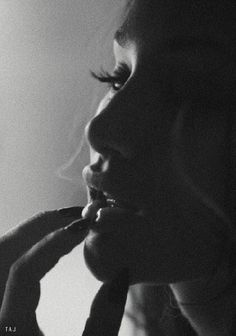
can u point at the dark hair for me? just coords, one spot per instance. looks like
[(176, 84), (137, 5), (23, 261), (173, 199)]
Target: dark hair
[(218, 15)]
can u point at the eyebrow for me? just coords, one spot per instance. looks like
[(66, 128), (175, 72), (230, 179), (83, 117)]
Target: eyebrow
[(121, 36)]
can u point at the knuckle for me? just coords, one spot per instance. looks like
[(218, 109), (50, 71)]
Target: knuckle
[(38, 215), (18, 268), (48, 239), (44, 214)]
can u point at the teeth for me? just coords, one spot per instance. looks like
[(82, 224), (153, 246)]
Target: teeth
[(112, 203), (102, 200)]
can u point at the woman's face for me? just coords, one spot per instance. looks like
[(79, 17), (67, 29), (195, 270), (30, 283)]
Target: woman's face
[(158, 144)]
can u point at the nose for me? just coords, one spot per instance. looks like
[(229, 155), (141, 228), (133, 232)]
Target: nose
[(115, 129), (105, 136)]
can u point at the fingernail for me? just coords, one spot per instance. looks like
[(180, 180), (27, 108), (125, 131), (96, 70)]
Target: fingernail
[(119, 287), (71, 212), (78, 226)]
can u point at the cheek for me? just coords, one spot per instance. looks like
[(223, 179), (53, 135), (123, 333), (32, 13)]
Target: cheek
[(204, 152)]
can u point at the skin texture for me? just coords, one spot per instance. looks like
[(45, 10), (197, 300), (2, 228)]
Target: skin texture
[(161, 141)]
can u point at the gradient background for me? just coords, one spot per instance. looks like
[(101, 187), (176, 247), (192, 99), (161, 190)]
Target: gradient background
[(46, 97)]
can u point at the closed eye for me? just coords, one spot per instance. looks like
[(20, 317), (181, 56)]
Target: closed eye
[(116, 80)]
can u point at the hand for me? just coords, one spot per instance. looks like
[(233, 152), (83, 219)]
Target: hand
[(108, 307), (27, 253)]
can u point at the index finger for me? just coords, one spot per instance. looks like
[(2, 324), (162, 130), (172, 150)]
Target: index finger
[(22, 237), (22, 289), (108, 307)]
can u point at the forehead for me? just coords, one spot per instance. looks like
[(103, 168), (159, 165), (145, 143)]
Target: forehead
[(157, 20)]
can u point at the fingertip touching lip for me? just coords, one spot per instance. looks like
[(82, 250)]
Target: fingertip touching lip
[(101, 201)]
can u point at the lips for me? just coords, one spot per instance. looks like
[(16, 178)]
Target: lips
[(107, 200), (101, 200), (101, 196), (117, 185)]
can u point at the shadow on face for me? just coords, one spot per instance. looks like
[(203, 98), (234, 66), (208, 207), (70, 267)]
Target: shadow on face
[(160, 140)]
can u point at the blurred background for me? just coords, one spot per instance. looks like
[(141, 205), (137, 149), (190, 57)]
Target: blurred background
[(46, 98)]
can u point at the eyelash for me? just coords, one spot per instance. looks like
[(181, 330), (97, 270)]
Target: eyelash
[(119, 77)]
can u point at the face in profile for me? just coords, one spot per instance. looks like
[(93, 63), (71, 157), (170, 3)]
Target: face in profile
[(158, 141)]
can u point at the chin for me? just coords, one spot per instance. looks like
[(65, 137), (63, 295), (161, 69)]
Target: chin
[(100, 270), (105, 258)]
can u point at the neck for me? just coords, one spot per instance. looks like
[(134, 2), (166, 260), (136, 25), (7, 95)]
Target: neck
[(210, 306)]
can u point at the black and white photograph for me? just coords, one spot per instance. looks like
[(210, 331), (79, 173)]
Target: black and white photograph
[(117, 168)]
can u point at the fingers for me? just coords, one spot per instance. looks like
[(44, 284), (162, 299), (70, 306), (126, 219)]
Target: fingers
[(22, 289), (108, 308), (19, 239)]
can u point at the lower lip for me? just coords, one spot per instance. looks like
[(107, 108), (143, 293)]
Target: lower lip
[(116, 220), (111, 217), (91, 209)]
